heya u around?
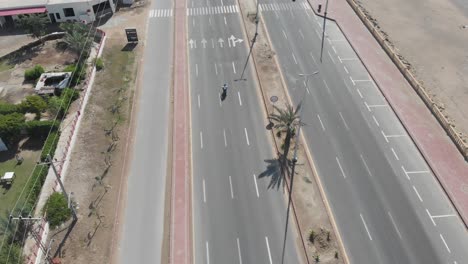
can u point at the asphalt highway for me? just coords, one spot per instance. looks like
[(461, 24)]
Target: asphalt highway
[(143, 226), (388, 206), (238, 217)]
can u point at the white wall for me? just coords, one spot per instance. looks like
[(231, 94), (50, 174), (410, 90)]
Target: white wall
[(83, 10)]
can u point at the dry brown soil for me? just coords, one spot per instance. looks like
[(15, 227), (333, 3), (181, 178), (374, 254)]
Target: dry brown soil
[(97, 172), (12, 86), (432, 37)]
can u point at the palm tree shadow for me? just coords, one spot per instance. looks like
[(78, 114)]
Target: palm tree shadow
[(273, 170)]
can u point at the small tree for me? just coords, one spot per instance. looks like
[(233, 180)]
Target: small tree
[(10, 127), (76, 37), (287, 120), (34, 104), (35, 25), (57, 209)]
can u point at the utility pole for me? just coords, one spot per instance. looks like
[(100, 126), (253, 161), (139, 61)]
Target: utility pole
[(323, 31), (59, 179)]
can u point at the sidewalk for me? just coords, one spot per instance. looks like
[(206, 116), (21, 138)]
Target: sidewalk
[(434, 144)]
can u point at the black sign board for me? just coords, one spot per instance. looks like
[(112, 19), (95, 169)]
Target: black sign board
[(132, 35)]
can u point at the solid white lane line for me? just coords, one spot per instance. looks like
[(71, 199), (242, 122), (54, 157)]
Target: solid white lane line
[(346, 69), (216, 69), (360, 94), (430, 216), (394, 224), (196, 69), (294, 58), (198, 101), (307, 89), (239, 251), (284, 34), (256, 186), (441, 216), (375, 120), (445, 243), (365, 226), (201, 140), (326, 85), (365, 165), (368, 108), (230, 184), (323, 127), (225, 140), (204, 191), (268, 248), (341, 169), (233, 67), (344, 121), (302, 35), (417, 193), (246, 136), (394, 154), (207, 253), (386, 139), (240, 100)]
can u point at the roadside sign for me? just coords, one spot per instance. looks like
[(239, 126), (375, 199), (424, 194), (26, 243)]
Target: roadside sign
[(132, 35)]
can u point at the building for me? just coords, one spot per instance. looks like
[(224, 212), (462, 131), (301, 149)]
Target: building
[(85, 11)]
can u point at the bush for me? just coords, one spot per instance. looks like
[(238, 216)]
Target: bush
[(11, 254), (99, 64), (40, 129), (54, 106), (34, 73), (78, 73), (50, 145), (35, 184), (33, 104), (10, 127), (6, 109), (57, 210)]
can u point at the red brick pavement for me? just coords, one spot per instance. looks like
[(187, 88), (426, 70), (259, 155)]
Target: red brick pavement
[(437, 148), (180, 252)]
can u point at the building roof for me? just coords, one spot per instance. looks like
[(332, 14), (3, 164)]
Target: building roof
[(20, 11), (11, 4)]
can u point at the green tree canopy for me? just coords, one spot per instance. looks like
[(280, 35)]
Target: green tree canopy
[(10, 126), (76, 37), (34, 104), (57, 210), (35, 25)]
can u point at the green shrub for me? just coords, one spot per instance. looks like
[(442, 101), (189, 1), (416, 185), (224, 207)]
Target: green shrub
[(35, 184), (50, 145), (33, 73), (33, 104), (11, 126), (11, 254), (99, 64), (40, 129), (78, 73), (69, 95), (54, 106), (57, 210), (6, 109)]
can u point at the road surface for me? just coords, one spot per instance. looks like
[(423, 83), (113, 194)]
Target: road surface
[(388, 206)]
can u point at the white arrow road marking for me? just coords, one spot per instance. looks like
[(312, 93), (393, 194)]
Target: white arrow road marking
[(203, 42), (221, 42), (193, 43)]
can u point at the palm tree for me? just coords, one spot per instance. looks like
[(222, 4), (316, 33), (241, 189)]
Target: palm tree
[(287, 120), (76, 37)]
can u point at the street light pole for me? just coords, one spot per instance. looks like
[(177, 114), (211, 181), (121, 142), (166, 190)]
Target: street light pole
[(294, 160), (323, 31)]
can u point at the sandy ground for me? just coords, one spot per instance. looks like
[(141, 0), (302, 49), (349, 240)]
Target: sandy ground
[(96, 170), (432, 37)]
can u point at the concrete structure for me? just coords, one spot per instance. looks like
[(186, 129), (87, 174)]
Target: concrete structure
[(85, 11)]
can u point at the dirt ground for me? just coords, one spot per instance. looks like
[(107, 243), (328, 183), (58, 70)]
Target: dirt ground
[(13, 88), (432, 36), (96, 170)]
